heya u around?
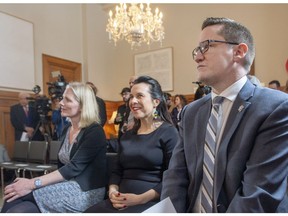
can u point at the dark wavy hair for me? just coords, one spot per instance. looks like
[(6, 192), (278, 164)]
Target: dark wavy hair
[(156, 93)]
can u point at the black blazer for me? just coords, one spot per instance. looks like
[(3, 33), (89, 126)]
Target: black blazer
[(18, 120), (87, 158)]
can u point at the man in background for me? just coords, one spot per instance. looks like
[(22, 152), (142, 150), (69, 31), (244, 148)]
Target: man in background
[(122, 111), (101, 104), (274, 84), (19, 118)]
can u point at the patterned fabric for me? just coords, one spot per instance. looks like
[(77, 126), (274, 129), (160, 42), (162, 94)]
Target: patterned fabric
[(64, 152), (209, 157), (66, 197)]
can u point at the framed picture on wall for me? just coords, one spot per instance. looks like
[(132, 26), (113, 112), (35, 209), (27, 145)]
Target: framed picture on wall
[(157, 64)]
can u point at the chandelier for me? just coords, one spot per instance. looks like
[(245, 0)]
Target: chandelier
[(135, 24)]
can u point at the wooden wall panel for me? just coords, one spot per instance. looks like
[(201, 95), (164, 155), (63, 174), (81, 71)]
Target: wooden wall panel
[(7, 99)]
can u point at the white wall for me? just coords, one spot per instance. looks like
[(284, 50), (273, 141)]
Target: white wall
[(267, 22), (77, 32), (57, 31)]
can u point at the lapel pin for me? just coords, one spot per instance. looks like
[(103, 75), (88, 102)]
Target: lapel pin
[(240, 108)]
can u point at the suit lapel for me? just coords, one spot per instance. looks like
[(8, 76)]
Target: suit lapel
[(236, 114)]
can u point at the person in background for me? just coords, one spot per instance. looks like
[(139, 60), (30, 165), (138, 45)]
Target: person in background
[(123, 111), (101, 104), (81, 177), (19, 117), (131, 80), (38, 118), (129, 119), (144, 153), (235, 161), (57, 120), (201, 91), (274, 84), (168, 98), (180, 102)]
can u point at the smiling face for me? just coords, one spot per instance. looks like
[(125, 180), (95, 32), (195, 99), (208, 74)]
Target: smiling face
[(141, 103), (70, 107)]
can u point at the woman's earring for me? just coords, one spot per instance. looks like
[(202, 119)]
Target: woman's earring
[(156, 116)]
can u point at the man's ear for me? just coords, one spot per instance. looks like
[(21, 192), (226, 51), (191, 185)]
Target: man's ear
[(240, 51)]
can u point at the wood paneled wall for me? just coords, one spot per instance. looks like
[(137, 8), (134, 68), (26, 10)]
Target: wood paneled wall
[(7, 99)]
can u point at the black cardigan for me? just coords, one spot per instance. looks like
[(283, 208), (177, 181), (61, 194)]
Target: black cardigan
[(87, 164)]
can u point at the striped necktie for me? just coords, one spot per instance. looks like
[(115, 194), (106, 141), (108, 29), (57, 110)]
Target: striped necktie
[(209, 156)]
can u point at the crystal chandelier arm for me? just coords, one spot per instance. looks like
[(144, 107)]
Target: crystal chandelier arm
[(136, 24)]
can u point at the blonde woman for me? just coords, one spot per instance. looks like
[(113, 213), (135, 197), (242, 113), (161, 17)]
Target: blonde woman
[(80, 179)]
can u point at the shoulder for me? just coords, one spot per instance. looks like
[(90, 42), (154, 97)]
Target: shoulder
[(99, 100), (94, 127), (167, 130)]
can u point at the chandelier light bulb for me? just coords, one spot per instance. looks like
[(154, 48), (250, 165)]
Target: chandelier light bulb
[(135, 24)]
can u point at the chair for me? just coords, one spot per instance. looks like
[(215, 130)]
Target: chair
[(37, 156), (18, 162), (54, 147)]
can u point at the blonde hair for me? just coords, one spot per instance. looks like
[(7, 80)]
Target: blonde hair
[(89, 108)]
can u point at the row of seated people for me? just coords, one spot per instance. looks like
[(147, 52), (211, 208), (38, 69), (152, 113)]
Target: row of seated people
[(80, 182)]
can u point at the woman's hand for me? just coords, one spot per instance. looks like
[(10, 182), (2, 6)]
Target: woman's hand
[(123, 200), (20, 187)]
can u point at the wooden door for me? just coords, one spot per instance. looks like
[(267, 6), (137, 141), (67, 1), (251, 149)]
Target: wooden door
[(69, 69)]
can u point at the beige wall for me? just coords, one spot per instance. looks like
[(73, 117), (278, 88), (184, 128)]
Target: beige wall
[(77, 32)]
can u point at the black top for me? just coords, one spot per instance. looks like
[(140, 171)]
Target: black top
[(87, 158), (142, 159)]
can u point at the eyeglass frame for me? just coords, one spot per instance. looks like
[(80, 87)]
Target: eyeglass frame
[(204, 50)]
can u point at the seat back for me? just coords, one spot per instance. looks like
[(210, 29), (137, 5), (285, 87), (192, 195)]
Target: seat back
[(53, 151), (38, 152), (21, 150)]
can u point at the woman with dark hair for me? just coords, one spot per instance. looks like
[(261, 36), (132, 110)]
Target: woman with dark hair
[(180, 102), (144, 152)]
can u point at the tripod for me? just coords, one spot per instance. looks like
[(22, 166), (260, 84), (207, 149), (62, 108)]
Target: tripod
[(44, 127)]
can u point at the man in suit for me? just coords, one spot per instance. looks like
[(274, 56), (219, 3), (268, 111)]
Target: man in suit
[(101, 104), (251, 145), (19, 116), (123, 111)]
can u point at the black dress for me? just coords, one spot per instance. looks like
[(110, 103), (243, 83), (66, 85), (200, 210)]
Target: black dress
[(142, 159)]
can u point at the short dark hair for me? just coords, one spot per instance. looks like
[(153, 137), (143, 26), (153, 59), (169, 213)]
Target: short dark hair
[(276, 82), (234, 32), (167, 96), (124, 90)]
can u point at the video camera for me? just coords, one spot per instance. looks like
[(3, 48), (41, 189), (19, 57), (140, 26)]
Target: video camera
[(56, 89), (41, 103), (203, 88)]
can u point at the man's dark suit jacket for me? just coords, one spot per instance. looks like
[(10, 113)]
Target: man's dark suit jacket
[(252, 160), (102, 110), (18, 120)]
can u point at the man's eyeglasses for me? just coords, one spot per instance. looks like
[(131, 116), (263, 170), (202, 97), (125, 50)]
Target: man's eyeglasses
[(204, 46)]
